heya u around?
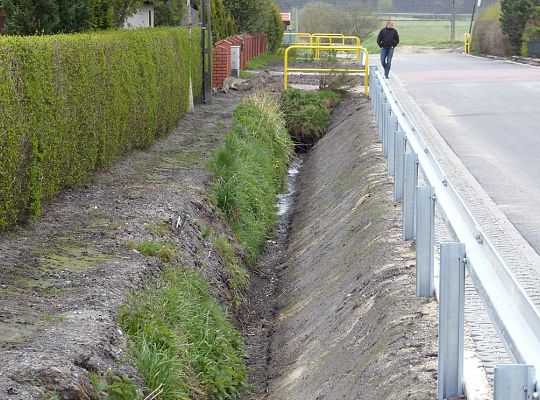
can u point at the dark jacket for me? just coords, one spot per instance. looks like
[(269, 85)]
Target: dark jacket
[(388, 37)]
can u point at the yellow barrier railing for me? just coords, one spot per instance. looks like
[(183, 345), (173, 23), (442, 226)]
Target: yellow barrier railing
[(333, 38), (318, 37), (467, 43), (299, 36), (356, 49)]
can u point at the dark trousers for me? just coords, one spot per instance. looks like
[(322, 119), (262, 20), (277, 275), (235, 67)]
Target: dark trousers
[(386, 59)]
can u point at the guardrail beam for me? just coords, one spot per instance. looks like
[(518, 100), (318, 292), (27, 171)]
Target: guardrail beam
[(514, 382)]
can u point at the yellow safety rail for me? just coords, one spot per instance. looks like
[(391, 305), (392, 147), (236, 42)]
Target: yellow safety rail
[(301, 35), (330, 36), (467, 43), (365, 70), (317, 37)]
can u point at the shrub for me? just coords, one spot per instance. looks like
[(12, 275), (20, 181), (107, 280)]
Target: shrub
[(532, 30), (487, 36), (183, 340), (71, 104), (249, 170), (514, 16), (223, 24), (308, 113)]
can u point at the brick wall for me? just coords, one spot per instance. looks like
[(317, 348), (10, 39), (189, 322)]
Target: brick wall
[(251, 45), (221, 67)]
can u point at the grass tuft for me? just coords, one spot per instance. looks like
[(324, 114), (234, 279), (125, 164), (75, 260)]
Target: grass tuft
[(167, 251), (238, 275), (112, 387), (183, 340)]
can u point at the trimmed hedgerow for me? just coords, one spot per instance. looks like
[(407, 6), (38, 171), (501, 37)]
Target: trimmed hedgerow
[(249, 170), (71, 104)]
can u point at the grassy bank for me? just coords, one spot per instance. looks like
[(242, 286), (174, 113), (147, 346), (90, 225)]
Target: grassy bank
[(249, 170), (182, 340)]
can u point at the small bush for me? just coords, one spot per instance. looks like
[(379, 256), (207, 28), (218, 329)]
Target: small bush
[(308, 114), (72, 104), (487, 36), (249, 170), (184, 341), (112, 387)]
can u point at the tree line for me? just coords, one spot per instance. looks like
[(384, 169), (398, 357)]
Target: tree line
[(398, 6), (43, 17)]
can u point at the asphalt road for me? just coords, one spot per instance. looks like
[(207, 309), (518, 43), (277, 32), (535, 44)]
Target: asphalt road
[(488, 111)]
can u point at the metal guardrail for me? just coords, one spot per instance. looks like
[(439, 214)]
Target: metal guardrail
[(512, 313), (364, 70)]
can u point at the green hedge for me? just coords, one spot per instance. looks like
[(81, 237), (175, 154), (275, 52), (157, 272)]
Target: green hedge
[(71, 104)]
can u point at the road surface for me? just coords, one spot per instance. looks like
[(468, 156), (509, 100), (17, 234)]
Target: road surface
[(488, 111)]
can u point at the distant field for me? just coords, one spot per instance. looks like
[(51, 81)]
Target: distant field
[(421, 32)]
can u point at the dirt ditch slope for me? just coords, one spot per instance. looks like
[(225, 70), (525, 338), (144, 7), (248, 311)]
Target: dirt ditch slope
[(348, 324)]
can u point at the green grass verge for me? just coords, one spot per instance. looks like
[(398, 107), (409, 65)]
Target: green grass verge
[(249, 170), (264, 59), (183, 340), (247, 74), (420, 33)]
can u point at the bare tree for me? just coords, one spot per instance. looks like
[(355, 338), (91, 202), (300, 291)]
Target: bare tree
[(349, 18)]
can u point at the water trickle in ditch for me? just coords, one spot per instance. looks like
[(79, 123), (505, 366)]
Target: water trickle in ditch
[(285, 199)]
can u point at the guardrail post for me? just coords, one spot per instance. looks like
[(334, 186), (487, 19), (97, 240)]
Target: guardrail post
[(399, 164), (386, 128), (376, 99), (451, 310), (514, 382), (373, 88), (382, 115), (425, 225), (410, 175), (390, 141)]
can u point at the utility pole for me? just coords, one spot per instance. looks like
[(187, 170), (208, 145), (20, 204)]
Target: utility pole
[(472, 15), (453, 22), (206, 38)]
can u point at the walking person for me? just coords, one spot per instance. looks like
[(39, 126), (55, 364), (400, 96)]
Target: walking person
[(387, 40)]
